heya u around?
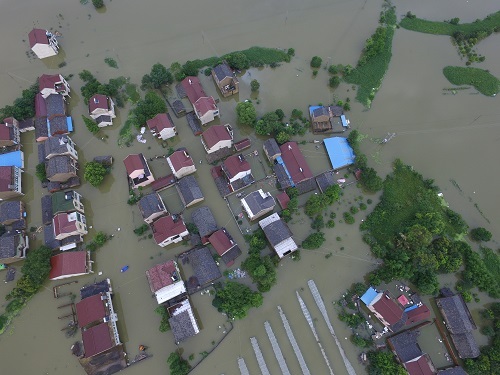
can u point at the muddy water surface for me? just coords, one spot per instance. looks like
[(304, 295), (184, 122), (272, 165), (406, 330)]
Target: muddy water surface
[(444, 136)]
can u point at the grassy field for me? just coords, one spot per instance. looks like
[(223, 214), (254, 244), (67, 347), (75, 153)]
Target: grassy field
[(489, 24), (492, 263), (483, 81)]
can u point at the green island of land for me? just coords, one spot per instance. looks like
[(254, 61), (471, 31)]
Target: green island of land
[(485, 82)]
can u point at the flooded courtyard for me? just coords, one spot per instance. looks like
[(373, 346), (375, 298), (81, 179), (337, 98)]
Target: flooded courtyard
[(445, 137)]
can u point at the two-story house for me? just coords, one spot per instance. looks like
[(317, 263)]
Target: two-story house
[(69, 224), (204, 106), (181, 163), (43, 43), (61, 168), (169, 229), (225, 79), (152, 207), (138, 170), (10, 182), (9, 132), (162, 126), (236, 167), (49, 84), (217, 137), (102, 110), (60, 146)]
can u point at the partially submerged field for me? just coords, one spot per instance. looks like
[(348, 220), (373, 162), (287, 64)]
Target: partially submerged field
[(482, 80)]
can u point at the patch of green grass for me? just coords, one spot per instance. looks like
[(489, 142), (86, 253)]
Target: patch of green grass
[(111, 62), (483, 81), (132, 93), (489, 24)]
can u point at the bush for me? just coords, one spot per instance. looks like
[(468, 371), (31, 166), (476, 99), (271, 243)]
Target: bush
[(98, 3), (480, 234), (334, 82), (318, 223), (164, 324), (40, 172), (360, 342), (333, 69), (141, 230), (91, 125), (348, 218), (94, 173), (110, 61), (290, 52), (238, 60), (314, 241), (316, 62), (246, 113), (254, 85)]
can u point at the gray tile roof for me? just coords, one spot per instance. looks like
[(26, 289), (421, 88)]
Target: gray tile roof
[(321, 111), (151, 204), (406, 346), (457, 370), (257, 204), (231, 255), (204, 267), (466, 345), (189, 190), (456, 314), (283, 178), (277, 231), (325, 180), (41, 153), (56, 145), (222, 71), (48, 237), (8, 245), (58, 125), (103, 118), (41, 128), (271, 147), (306, 186), (11, 210), (204, 220), (59, 164), (55, 105), (182, 327)]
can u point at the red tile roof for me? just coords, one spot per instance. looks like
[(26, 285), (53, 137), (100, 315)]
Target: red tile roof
[(180, 159), (62, 224), (97, 340), (48, 81), (6, 178), (160, 275), (159, 122), (36, 36), (243, 144), (70, 263), (235, 164), (295, 162), (89, 310), (403, 300), (204, 105), (194, 90), (5, 132), (134, 162), (215, 134), (165, 227), (389, 309), (98, 101), (418, 314), (40, 106), (163, 182), (220, 241), (419, 367), (283, 199)]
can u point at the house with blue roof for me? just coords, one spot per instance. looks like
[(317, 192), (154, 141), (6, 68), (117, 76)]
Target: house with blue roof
[(340, 152), (329, 119), (12, 159)]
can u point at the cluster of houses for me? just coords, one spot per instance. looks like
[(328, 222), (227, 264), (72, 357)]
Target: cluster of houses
[(403, 318)]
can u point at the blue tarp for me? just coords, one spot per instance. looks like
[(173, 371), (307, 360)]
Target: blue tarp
[(344, 121), (12, 159), (369, 296), (69, 121), (279, 160), (312, 108), (340, 153), (411, 308)]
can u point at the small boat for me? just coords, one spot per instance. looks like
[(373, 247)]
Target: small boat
[(124, 268)]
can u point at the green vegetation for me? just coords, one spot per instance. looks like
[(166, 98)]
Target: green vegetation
[(480, 272), (316, 62), (261, 269), (246, 113), (480, 234), (178, 365), (334, 82), (114, 88), (375, 59), (23, 107), (318, 223), (192, 228), (236, 299), (413, 232), (238, 60), (348, 218), (254, 85), (41, 172), (157, 78), (382, 363), (133, 198), (94, 173), (91, 125), (111, 62), (99, 241), (318, 203), (353, 320), (164, 324), (272, 124), (98, 3), (361, 342), (482, 80), (141, 230), (314, 241), (370, 181), (148, 108)]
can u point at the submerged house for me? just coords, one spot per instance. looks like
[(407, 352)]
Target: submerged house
[(59, 146), (181, 163), (189, 191), (169, 229), (49, 84), (271, 149), (339, 151), (329, 119), (69, 224), (236, 168), (43, 43), (12, 211), (165, 281), (182, 321), (138, 170), (385, 308), (257, 204), (66, 201), (217, 137), (225, 79), (409, 353), (102, 110), (10, 182), (204, 106), (152, 207), (70, 264), (61, 168), (279, 235), (205, 222), (295, 162), (204, 268), (225, 246), (13, 247), (162, 126), (10, 134)]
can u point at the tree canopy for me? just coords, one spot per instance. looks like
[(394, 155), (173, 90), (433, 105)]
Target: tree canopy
[(236, 299), (177, 364), (238, 60), (314, 241), (148, 108), (480, 234), (158, 77), (246, 112), (384, 363), (94, 173)]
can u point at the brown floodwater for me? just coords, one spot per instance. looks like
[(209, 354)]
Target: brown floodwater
[(444, 137)]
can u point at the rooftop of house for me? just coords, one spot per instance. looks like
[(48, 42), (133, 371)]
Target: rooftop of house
[(68, 263), (56, 145), (103, 118), (102, 286), (204, 220), (235, 164), (160, 121), (275, 229), (65, 222), (203, 105), (282, 175), (6, 174), (325, 180), (151, 204), (215, 134), (295, 162), (55, 105), (222, 71), (61, 201), (389, 309), (456, 370), (98, 101), (97, 339), (58, 125), (135, 162), (221, 240), (49, 81), (456, 314), (91, 309), (168, 226), (189, 190), (40, 106), (9, 243), (271, 147), (11, 210), (405, 345), (193, 89), (466, 345), (180, 159), (59, 164), (421, 366), (258, 201), (330, 111), (283, 199), (41, 128), (163, 275), (183, 322), (6, 132), (38, 36), (204, 267), (417, 314)]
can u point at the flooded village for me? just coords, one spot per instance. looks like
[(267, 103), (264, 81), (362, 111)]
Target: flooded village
[(138, 259)]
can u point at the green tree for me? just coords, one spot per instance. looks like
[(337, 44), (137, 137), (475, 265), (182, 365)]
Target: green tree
[(370, 180), (91, 125), (261, 269), (246, 113), (316, 62), (254, 85), (98, 3), (334, 82), (480, 234), (94, 173), (164, 323), (282, 137), (177, 364), (41, 172), (290, 52), (314, 241), (148, 108), (236, 299), (318, 223), (158, 77), (238, 60), (384, 363)]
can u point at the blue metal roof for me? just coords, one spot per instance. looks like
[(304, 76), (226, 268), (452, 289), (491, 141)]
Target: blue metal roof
[(312, 108), (12, 159), (369, 296), (279, 160), (340, 153), (344, 121), (411, 308), (69, 121)]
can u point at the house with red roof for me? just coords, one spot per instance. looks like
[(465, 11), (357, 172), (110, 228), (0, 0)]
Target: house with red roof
[(165, 281), (93, 309), (49, 84), (295, 162), (138, 170), (97, 339), (9, 132), (70, 264), (236, 167), (204, 106), (169, 229), (283, 199), (181, 163), (102, 110), (67, 224), (43, 43), (217, 137), (407, 350), (10, 182), (385, 308), (162, 126), (225, 246)]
